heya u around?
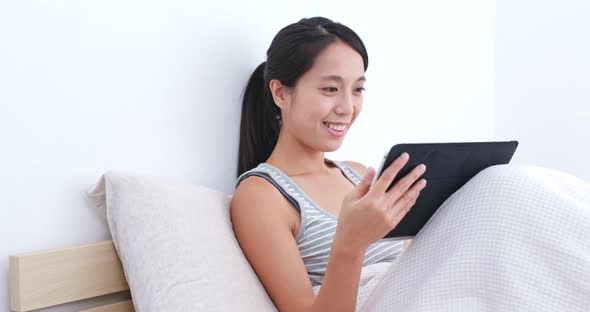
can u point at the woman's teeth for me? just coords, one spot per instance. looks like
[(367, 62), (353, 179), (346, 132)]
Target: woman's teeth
[(335, 127)]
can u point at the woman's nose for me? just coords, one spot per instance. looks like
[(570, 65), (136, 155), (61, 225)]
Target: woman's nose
[(345, 105)]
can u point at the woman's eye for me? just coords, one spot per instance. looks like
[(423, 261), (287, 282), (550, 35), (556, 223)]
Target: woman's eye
[(334, 89)]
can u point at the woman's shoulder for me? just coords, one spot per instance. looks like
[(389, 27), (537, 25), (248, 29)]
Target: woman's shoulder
[(255, 188), (356, 166), (255, 198)]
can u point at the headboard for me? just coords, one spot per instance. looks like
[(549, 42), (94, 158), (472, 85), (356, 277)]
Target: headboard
[(56, 276)]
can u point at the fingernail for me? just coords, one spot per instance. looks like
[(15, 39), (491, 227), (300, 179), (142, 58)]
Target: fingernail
[(369, 172), (405, 156)]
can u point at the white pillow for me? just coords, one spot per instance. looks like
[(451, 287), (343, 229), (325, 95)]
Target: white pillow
[(177, 246)]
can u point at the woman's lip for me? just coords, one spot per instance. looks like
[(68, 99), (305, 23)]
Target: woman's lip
[(337, 123), (334, 132)]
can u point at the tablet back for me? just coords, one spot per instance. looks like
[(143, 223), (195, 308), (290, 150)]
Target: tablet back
[(449, 166)]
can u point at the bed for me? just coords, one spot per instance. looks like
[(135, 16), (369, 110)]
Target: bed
[(47, 278), (488, 247)]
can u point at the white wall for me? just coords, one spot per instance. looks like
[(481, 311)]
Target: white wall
[(543, 82), (153, 87), (430, 76)]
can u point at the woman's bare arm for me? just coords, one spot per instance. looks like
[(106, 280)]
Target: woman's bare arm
[(263, 224)]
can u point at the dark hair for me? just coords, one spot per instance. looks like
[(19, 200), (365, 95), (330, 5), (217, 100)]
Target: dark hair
[(291, 53)]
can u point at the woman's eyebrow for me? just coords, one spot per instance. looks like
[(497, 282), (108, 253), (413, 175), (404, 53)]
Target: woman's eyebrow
[(339, 78)]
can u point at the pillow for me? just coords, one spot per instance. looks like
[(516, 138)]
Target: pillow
[(177, 246)]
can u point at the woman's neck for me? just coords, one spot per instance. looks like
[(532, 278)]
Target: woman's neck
[(296, 159)]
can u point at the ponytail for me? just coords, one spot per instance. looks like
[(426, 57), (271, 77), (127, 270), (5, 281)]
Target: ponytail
[(259, 127)]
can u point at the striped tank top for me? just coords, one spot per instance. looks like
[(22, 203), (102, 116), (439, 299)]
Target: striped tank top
[(318, 226)]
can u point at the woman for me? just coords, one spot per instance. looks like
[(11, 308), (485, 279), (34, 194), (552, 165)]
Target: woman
[(308, 224)]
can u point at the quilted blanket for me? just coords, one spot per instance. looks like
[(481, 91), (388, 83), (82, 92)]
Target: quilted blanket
[(514, 238)]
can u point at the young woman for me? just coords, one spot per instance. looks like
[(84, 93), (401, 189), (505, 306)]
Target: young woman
[(298, 105), (305, 222)]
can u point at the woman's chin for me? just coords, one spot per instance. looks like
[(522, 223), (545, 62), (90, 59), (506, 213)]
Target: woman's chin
[(332, 146)]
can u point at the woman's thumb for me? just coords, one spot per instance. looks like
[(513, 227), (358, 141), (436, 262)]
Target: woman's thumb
[(363, 187)]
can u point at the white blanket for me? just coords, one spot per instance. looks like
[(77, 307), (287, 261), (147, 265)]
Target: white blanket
[(514, 238)]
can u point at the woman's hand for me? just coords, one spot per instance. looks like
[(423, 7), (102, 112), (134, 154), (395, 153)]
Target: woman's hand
[(369, 213)]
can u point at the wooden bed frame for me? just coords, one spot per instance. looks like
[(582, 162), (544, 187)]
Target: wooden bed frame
[(51, 277), (47, 278)]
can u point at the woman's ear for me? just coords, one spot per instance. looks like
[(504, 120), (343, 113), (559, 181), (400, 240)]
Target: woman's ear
[(280, 93)]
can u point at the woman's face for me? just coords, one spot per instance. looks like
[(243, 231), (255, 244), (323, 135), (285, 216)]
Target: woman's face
[(326, 99)]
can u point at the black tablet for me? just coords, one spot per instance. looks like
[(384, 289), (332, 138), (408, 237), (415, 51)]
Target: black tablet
[(448, 167)]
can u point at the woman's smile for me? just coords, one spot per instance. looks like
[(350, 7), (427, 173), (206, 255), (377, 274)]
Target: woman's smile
[(337, 129)]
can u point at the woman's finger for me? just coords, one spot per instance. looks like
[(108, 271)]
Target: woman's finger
[(405, 183), (365, 184), (389, 174), (407, 200)]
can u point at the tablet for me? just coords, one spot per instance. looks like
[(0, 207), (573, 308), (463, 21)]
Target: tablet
[(448, 167)]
